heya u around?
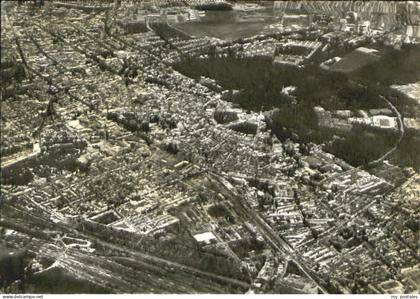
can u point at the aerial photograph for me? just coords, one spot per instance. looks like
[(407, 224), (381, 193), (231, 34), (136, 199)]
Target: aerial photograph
[(210, 147)]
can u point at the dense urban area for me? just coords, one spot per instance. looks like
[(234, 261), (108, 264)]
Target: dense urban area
[(210, 147)]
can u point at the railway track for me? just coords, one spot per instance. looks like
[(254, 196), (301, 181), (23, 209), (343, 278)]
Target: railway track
[(220, 282), (279, 245)]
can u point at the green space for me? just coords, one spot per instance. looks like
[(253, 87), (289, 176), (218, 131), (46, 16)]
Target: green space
[(261, 84)]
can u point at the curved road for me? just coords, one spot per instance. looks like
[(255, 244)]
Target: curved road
[(402, 132)]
